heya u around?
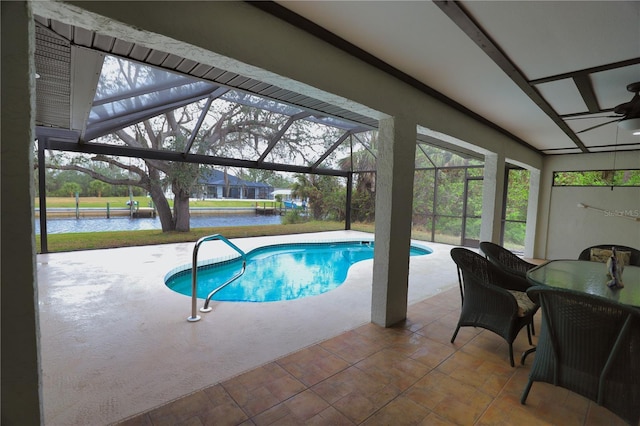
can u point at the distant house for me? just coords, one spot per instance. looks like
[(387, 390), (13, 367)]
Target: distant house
[(214, 185)]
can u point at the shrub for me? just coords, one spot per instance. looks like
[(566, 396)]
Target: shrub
[(293, 216)]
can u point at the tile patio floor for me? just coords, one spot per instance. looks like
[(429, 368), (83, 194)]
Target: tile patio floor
[(406, 375), (116, 349)]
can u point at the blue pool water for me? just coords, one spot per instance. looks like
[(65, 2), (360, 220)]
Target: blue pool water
[(279, 272)]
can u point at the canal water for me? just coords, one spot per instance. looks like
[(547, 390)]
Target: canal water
[(64, 226)]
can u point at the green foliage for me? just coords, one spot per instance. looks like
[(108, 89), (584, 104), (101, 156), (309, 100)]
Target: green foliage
[(423, 185), (55, 179), (333, 203), (472, 228), (270, 177), (449, 198), (325, 195), (181, 176), (293, 216), (363, 206), (517, 195), (448, 226), (448, 208), (597, 178), (99, 188), (363, 198), (69, 189), (516, 209), (514, 234)]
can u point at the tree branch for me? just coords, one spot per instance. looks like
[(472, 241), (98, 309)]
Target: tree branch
[(113, 181)]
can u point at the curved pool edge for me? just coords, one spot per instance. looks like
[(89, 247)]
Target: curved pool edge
[(418, 244)]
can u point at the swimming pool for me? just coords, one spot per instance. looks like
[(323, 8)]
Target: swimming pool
[(279, 272)]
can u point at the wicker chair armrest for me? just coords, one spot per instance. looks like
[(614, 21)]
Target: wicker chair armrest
[(492, 298)]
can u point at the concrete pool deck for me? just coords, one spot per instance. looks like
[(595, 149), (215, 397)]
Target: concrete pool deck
[(115, 340)]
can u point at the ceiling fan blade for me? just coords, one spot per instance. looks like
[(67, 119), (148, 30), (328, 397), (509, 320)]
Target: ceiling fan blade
[(598, 125)]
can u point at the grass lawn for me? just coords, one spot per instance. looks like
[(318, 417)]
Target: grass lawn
[(101, 240)]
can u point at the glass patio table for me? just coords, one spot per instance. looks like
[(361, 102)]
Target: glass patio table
[(587, 347), (588, 277)]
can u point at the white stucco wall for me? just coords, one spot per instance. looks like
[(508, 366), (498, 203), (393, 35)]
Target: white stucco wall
[(565, 229), (574, 228), (21, 392)]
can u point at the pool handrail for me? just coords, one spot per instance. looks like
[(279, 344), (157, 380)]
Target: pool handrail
[(206, 307), (194, 274)]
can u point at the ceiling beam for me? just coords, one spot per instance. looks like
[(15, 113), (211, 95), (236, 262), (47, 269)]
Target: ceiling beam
[(592, 70), (587, 114), (583, 83), (463, 20)]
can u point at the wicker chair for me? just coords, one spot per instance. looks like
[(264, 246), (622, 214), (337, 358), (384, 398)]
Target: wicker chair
[(487, 302), (590, 346), (508, 262), (635, 253), (515, 267)]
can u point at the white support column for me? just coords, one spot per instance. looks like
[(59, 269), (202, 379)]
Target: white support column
[(532, 212), (21, 373), (492, 197), (394, 198)]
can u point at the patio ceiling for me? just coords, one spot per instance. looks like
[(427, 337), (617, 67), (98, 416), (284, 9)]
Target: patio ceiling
[(543, 71), (540, 72)]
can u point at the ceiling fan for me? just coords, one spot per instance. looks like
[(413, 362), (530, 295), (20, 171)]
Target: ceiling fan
[(628, 117)]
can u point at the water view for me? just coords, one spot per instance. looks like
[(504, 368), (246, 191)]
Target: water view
[(64, 226)]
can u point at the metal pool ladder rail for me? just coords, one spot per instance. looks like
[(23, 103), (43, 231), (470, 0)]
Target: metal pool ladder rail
[(194, 275)]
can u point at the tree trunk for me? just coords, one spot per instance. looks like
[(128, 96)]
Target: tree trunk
[(162, 207), (181, 212)]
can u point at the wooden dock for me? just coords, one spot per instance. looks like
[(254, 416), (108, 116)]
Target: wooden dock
[(269, 211)]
